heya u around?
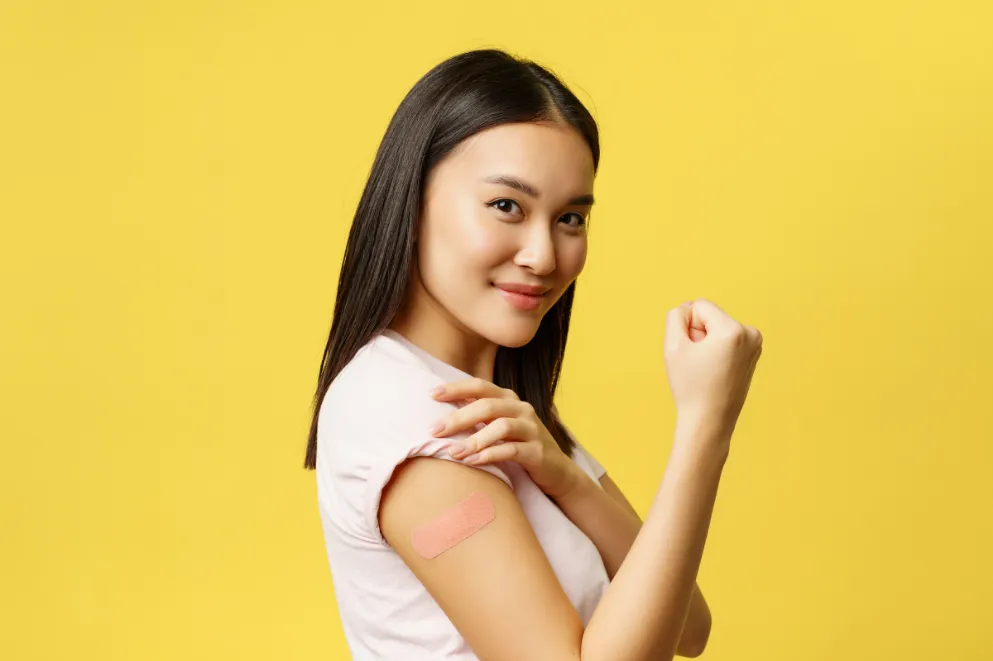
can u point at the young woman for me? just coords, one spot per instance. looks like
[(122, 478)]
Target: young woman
[(461, 517)]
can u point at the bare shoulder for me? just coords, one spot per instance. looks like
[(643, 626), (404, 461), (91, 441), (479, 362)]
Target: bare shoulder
[(490, 576)]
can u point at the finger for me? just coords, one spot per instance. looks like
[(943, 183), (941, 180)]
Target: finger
[(755, 358), (755, 335), (752, 364), (522, 453), (750, 372), (707, 316), (677, 326), (465, 388), (500, 430), (481, 410)]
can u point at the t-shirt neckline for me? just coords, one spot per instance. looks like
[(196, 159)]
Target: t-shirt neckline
[(433, 362)]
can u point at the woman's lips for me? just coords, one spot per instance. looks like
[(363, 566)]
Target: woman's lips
[(521, 301)]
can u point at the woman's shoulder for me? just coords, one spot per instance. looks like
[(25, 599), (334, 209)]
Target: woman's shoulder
[(383, 384), (382, 366)]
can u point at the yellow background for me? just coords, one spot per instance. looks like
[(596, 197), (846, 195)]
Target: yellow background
[(176, 185)]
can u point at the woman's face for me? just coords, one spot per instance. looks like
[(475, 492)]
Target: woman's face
[(503, 227)]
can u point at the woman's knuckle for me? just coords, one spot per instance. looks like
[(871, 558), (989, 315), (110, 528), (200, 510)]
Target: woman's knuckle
[(487, 406), (537, 454), (736, 334)]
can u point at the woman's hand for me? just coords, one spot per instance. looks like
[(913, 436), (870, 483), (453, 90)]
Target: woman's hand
[(513, 432), (710, 359)]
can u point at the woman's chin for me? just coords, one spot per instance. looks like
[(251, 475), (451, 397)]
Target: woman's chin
[(511, 334)]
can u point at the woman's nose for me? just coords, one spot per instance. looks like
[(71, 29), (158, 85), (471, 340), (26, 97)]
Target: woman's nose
[(538, 250)]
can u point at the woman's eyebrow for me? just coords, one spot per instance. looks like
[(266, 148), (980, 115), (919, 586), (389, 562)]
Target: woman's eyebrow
[(528, 189)]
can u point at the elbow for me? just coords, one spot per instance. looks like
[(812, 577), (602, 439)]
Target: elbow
[(691, 649), (693, 643)]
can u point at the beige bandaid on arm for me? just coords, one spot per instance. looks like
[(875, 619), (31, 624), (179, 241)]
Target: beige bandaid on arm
[(451, 527)]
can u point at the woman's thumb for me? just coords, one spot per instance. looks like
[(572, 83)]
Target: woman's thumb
[(706, 316)]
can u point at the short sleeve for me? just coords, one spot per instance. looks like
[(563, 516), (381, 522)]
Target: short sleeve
[(580, 454), (377, 414), (396, 427), (598, 470), (398, 450)]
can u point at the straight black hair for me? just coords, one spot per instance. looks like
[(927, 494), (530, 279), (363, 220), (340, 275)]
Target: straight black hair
[(459, 97)]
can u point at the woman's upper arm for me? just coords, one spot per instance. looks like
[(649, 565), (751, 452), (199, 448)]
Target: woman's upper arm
[(496, 585)]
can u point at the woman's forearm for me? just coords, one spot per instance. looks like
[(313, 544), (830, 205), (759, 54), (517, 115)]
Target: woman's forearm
[(612, 525), (642, 613)]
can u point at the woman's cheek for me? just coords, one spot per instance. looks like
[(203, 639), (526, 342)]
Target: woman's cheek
[(487, 244), (572, 258)]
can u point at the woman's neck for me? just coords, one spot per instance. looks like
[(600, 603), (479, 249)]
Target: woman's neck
[(433, 329)]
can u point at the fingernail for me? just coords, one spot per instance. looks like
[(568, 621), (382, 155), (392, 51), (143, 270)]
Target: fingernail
[(471, 458), (437, 391), (438, 427), (456, 448)]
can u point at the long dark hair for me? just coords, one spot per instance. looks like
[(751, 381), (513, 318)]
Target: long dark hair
[(461, 96)]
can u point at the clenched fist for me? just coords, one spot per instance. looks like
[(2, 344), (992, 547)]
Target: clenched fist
[(710, 359)]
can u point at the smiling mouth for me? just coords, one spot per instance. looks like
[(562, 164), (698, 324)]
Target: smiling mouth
[(520, 300)]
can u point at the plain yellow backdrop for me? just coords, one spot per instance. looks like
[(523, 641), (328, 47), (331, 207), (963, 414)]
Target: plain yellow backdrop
[(176, 186)]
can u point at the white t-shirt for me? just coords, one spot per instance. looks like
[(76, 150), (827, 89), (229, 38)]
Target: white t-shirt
[(375, 415)]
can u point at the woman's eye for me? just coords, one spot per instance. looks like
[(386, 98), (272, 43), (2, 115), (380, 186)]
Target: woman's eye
[(504, 205), (577, 220)]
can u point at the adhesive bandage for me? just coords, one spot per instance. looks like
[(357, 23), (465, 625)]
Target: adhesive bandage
[(451, 527)]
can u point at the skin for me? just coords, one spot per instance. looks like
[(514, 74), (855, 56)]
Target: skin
[(473, 234), (603, 514)]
